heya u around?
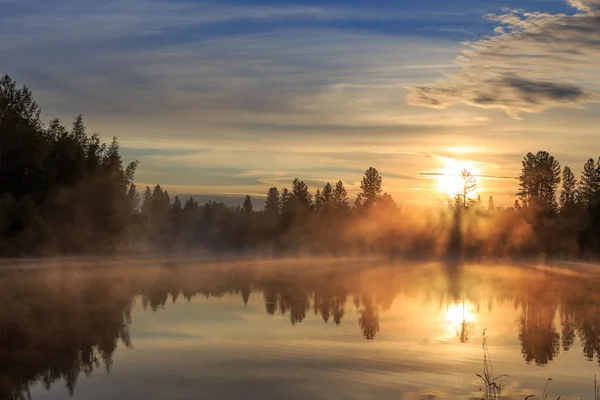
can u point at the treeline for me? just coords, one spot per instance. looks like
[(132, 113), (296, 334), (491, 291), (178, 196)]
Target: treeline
[(290, 220), (62, 189), (63, 192)]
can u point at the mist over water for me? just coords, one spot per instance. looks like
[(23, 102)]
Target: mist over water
[(292, 329)]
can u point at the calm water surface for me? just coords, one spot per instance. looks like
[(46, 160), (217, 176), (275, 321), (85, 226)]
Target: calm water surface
[(316, 329)]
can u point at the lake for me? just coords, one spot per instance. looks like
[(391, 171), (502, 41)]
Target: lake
[(295, 329)]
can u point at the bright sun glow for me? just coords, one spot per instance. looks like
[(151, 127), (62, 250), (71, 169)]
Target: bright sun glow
[(449, 181), (460, 318)]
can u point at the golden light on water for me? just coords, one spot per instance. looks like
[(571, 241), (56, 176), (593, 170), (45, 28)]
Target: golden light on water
[(449, 180), (460, 319)]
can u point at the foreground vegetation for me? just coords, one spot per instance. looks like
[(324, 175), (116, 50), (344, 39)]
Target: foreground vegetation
[(64, 192)]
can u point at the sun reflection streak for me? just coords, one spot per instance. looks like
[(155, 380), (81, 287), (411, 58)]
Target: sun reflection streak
[(460, 319)]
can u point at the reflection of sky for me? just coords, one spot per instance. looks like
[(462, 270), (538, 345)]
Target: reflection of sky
[(221, 349)]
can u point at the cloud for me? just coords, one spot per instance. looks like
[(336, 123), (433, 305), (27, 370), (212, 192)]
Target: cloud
[(262, 173), (534, 61), (585, 5)]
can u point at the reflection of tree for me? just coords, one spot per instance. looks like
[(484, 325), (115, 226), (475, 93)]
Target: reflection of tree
[(466, 331), (568, 331), (590, 337), (270, 297), (59, 330), (539, 339), (60, 326), (369, 319)]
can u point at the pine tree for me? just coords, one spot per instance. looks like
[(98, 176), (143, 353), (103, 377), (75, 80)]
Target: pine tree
[(358, 202), (517, 205), (589, 184), (190, 205), (146, 202), (285, 198), (176, 211), (273, 201), (371, 186), (539, 180), (491, 207), (133, 198), (300, 194), (387, 200), (18, 103), (79, 131), (176, 204), (247, 207), (340, 196), (568, 194), (318, 200), (327, 197)]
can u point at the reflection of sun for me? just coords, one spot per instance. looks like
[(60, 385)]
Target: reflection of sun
[(449, 180), (459, 317)]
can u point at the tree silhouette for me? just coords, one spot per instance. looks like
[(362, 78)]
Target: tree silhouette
[(369, 321), (247, 207), (491, 207), (340, 196), (370, 186), (469, 185), (589, 184), (318, 200), (327, 197), (568, 194), (300, 194), (539, 180), (273, 202)]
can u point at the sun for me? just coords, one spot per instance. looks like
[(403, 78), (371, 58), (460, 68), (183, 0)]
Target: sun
[(449, 180), (460, 319)]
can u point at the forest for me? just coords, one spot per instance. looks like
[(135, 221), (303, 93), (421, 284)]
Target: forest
[(63, 191)]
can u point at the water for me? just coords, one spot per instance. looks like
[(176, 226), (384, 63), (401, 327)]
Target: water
[(317, 329)]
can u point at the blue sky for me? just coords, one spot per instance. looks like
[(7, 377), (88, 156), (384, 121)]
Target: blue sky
[(232, 97)]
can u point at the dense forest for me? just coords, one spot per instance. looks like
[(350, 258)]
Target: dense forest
[(63, 191)]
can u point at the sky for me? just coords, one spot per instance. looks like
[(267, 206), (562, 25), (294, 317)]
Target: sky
[(227, 98)]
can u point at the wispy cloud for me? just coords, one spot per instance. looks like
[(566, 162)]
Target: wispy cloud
[(223, 97), (533, 61), (585, 5)]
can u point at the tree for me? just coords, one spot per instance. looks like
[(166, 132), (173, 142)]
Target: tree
[(469, 185), (371, 186), (568, 194), (285, 197), (491, 206), (146, 201), (318, 200), (247, 207), (387, 201), (300, 194), (589, 184), (517, 205), (539, 180), (340, 196), (18, 103), (327, 196), (176, 218), (273, 202)]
